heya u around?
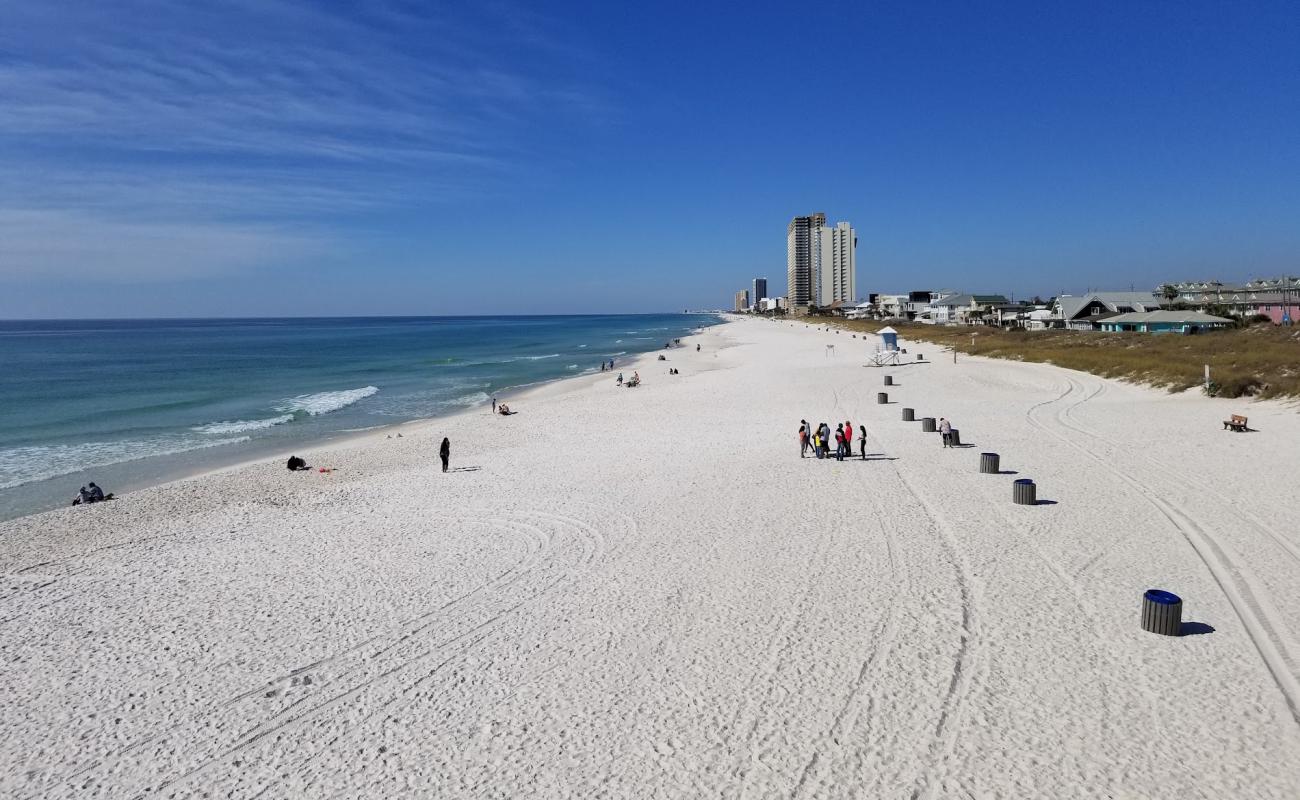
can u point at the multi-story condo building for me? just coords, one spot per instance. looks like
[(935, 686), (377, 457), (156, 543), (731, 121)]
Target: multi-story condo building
[(801, 269), (837, 264), (742, 300), (760, 291)]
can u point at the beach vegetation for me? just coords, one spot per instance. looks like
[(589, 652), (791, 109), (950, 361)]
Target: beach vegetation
[(1251, 361)]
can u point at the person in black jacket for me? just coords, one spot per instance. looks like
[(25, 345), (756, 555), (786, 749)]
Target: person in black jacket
[(444, 452)]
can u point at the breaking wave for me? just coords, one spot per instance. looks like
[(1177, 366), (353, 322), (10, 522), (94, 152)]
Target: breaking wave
[(19, 465), (242, 425), (325, 402)]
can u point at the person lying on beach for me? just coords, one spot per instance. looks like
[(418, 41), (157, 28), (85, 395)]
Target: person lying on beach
[(504, 410), (295, 464)]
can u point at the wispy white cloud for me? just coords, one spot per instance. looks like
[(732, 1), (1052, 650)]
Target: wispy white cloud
[(143, 120), (69, 247)]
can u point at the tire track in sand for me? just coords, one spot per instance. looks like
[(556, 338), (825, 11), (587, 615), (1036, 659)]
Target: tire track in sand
[(364, 671), (1260, 620), (970, 657)]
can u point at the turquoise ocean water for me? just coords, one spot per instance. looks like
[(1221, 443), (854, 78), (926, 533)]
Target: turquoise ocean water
[(127, 403)]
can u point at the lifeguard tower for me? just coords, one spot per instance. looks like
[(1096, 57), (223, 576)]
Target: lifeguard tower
[(890, 337), (888, 354)]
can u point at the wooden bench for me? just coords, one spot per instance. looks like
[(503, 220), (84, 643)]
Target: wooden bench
[(1235, 423)]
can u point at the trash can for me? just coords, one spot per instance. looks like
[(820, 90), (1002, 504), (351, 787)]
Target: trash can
[(920, 357), (990, 463), (909, 415), (1024, 492), (927, 424), (889, 380), (882, 398), (954, 437), (1162, 612)]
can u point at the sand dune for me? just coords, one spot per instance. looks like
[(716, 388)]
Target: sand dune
[(647, 593)]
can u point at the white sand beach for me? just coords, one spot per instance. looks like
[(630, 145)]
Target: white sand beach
[(636, 593)]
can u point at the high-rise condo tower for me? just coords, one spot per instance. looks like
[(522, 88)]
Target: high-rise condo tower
[(801, 242)]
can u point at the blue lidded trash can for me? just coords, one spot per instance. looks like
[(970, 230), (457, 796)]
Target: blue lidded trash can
[(1162, 612)]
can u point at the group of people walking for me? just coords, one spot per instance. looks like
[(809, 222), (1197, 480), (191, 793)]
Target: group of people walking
[(819, 438)]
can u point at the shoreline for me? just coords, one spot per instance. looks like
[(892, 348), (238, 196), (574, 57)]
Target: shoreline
[(272, 451)]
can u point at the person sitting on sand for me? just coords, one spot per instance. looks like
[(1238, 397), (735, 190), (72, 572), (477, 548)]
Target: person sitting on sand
[(92, 495)]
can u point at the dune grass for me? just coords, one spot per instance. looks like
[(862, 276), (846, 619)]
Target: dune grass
[(1261, 361)]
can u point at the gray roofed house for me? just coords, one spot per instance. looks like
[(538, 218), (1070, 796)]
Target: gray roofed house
[(955, 308), (1164, 322), (1080, 311)]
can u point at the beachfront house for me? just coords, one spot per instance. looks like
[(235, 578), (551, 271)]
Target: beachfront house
[(1163, 322), (1087, 312), (891, 306), (1040, 319), (918, 304), (964, 309), (860, 311), (1275, 298)]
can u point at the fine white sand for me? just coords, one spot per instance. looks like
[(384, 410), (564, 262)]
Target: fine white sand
[(646, 593)]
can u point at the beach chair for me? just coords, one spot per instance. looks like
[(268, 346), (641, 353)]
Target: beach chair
[(1235, 423)]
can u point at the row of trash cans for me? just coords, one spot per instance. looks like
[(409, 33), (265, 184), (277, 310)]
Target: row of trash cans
[(1162, 611)]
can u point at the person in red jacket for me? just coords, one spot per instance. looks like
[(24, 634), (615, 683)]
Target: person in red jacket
[(848, 438)]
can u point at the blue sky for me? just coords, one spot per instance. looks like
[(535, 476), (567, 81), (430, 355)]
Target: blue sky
[(283, 157)]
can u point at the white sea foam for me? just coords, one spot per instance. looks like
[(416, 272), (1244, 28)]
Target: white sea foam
[(572, 366), (20, 465), (242, 425), (581, 346), (325, 402), (477, 398)]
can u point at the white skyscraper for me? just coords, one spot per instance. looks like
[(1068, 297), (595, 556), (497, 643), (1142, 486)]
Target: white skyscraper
[(835, 264)]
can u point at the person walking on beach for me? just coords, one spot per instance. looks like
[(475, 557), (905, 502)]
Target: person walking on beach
[(803, 441), (945, 431), (494, 405), (825, 433), (848, 438), (444, 452), (839, 442), (862, 442)]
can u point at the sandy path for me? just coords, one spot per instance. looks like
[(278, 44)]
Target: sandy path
[(646, 593)]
